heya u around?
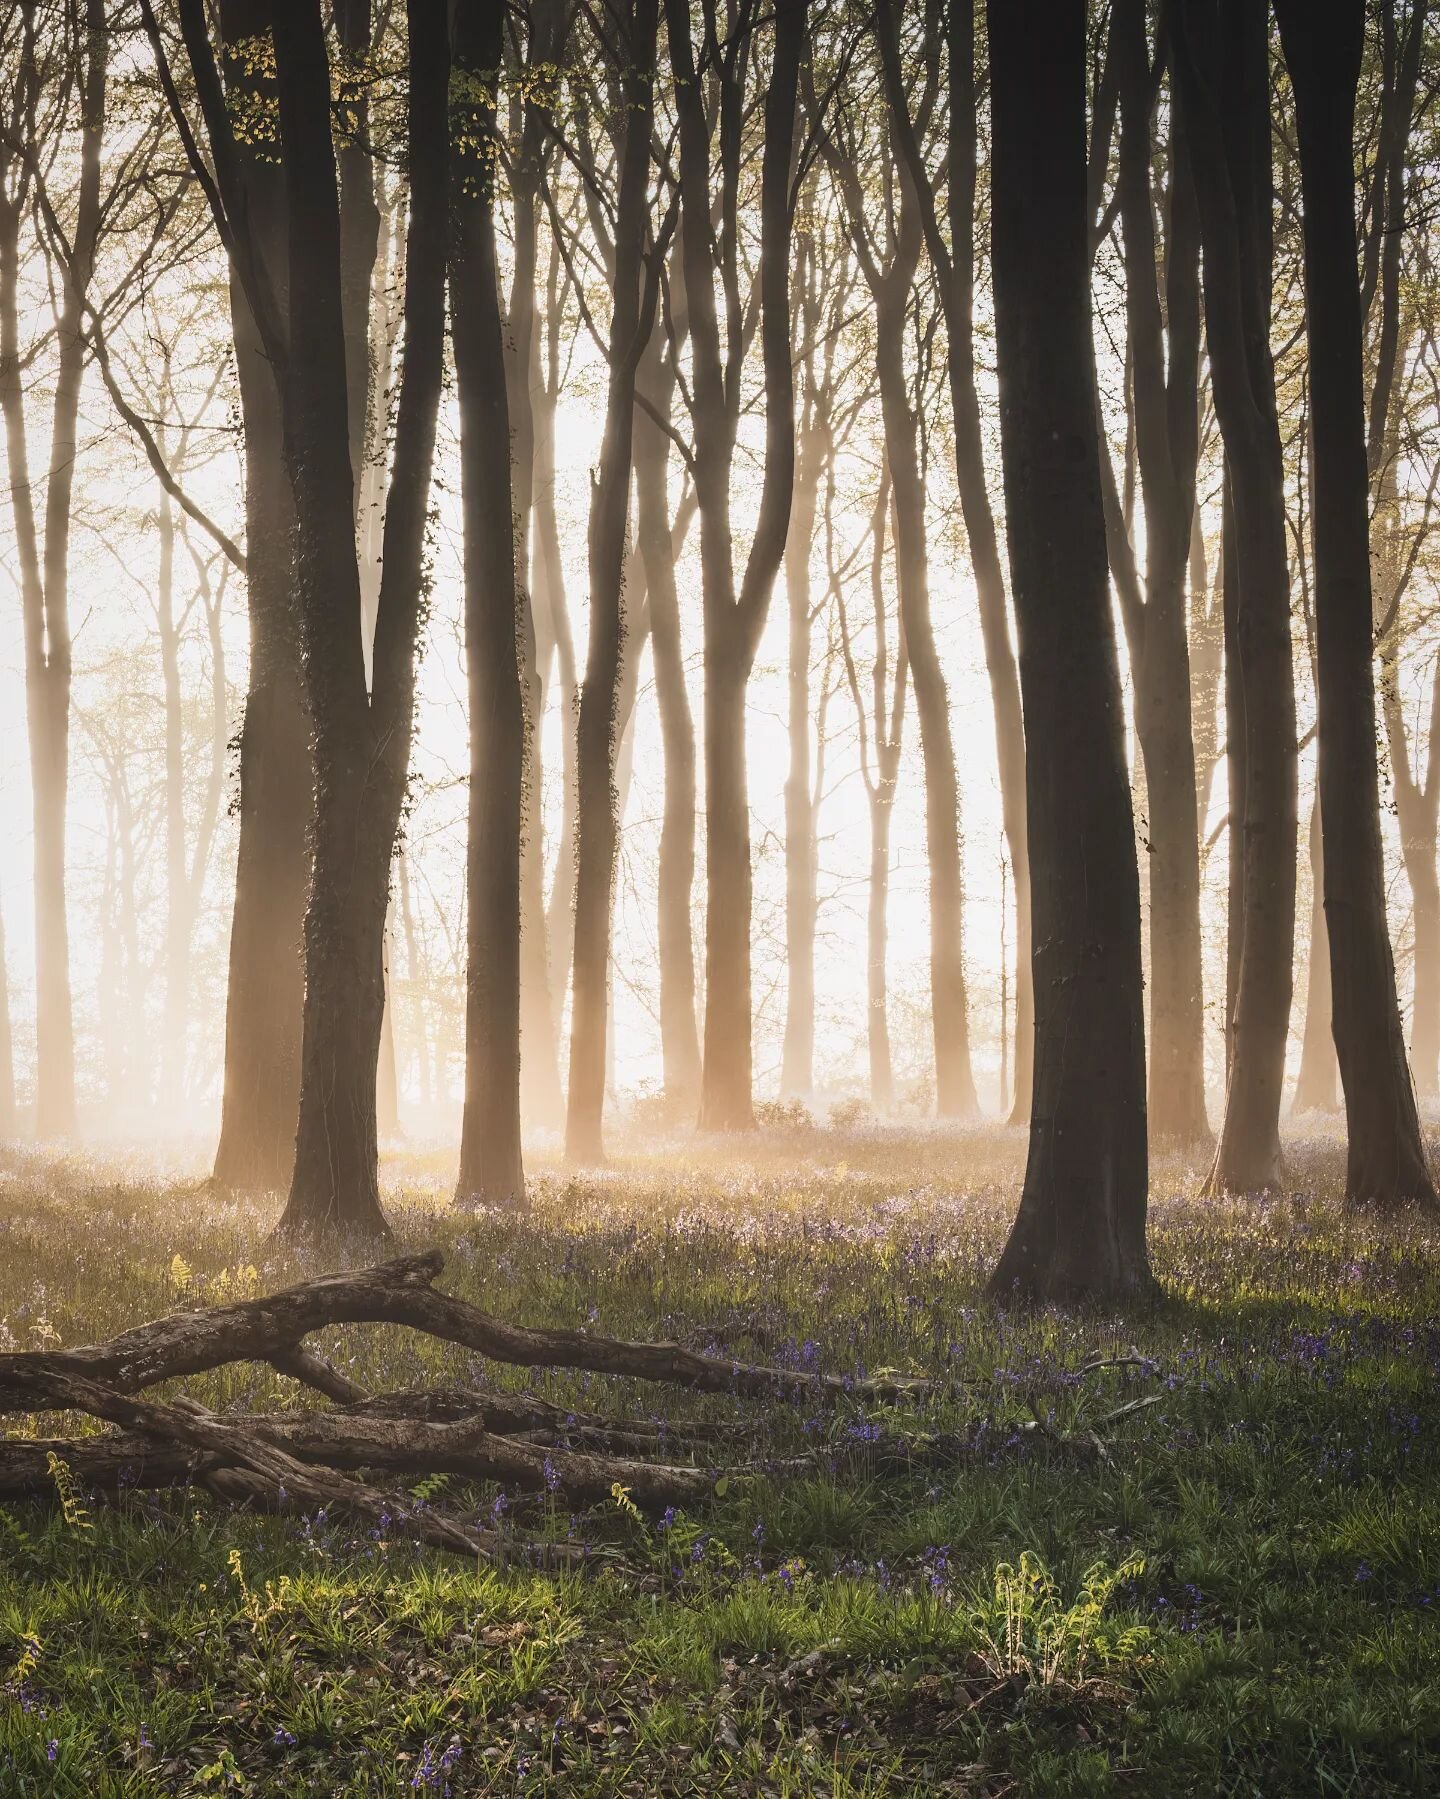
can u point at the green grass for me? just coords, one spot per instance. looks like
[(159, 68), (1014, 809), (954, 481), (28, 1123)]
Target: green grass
[(1243, 1598)]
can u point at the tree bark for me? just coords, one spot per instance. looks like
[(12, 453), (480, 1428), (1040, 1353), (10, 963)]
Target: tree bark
[(600, 724), (949, 1002), (955, 272), (679, 1031), (44, 555), (8, 1117), (797, 1061), (1164, 409), (1222, 62), (265, 988), (1080, 1231), (361, 742), (1385, 1163), (542, 1100), (491, 1162), (1315, 1089), (734, 621)]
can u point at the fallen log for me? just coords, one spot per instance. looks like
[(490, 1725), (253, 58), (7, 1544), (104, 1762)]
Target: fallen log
[(401, 1292), (311, 1460)]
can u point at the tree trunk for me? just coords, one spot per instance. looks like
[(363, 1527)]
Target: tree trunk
[(733, 622), (1080, 1230), (1385, 1164), (797, 1062), (726, 1094), (361, 743), (949, 1005), (414, 973), (8, 1118), (491, 1163), (1164, 358), (955, 269), (542, 1100), (44, 561), (1315, 1083), (1425, 1025), (882, 1071), (679, 1032), (265, 988), (177, 886), (1222, 60), (600, 722)]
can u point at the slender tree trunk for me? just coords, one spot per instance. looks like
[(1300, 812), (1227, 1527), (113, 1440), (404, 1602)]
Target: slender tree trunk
[(734, 621), (177, 884), (491, 1163), (949, 1004), (882, 1071), (1223, 66), (44, 560), (542, 1100), (550, 608), (679, 1031), (600, 722), (1163, 346), (1425, 1026), (1234, 767), (265, 988), (797, 1063), (415, 974), (8, 1118), (1080, 1230), (1315, 1089), (1385, 1164), (955, 268), (726, 1092), (387, 1073)]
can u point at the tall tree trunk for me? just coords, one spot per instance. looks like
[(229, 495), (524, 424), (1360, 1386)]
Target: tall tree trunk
[(734, 621), (726, 1099), (44, 560), (359, 219), (1425, 1026), (955, 270), (491, 1163), (551, 614), (542, 1100), (177, 885), (679, 1032), (361, 742), (265, 988), (414, 973), (1315, 1084), (797, 1062), (1222, 61), (1385, 1163), (1163, 345), (600, 722), (1080, 1230), (949, 1004), (8, 1118), (877, 934)]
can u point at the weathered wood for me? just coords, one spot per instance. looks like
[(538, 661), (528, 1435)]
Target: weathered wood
[(307, 1460), (292, 1482), (398, 1292)]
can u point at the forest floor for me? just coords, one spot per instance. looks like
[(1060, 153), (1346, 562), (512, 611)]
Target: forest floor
[(1241, 1596)]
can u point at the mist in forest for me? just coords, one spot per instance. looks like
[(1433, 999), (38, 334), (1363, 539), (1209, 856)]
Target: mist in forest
[(544, 617), (719, 897)]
